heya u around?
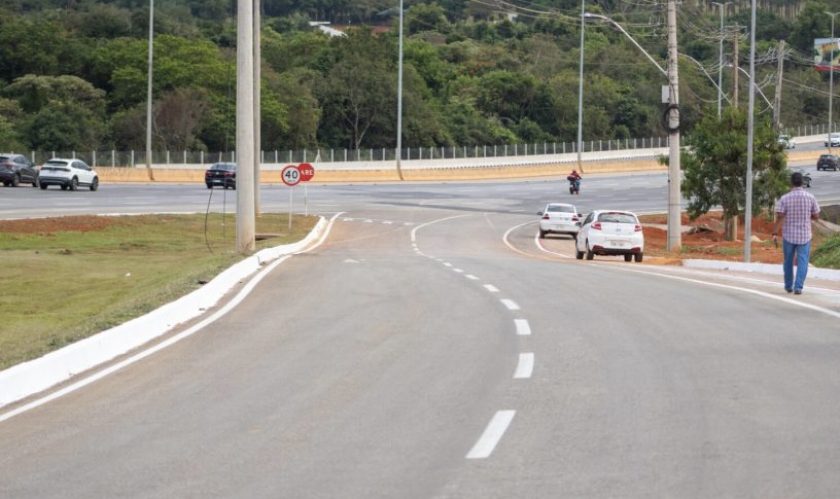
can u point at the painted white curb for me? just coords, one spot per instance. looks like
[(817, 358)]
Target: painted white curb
[(35, 376), (763, 268)]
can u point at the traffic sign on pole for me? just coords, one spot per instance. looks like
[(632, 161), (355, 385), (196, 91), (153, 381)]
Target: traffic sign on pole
[(307, 171), (290, 175)]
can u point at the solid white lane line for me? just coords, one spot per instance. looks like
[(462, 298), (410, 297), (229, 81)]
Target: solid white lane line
[(494, 432), (415, 229), (236, 300), (544, 250), (472, 277), (510, 304), (491, 288), (525, 368), (522, 327)]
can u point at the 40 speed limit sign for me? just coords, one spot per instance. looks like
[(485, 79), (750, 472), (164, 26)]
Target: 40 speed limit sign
[(290, 175)]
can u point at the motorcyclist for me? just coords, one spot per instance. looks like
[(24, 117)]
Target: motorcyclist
[(574, 181)]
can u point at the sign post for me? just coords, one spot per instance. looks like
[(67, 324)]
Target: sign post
[(291, 177), (307, 171)]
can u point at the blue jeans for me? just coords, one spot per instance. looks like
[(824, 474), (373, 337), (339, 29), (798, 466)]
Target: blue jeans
[(801, 252)]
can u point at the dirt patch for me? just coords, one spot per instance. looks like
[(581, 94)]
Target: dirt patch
[(705, 240), (57, 224)]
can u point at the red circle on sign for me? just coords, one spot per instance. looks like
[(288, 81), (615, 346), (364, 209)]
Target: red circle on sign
[(290, 175), (307, 171)]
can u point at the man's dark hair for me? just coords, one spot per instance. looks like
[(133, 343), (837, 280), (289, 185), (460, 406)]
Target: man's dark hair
[(796, 179)]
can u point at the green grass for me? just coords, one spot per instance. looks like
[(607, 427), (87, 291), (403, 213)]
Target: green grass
[(59, 287), (827, 254)]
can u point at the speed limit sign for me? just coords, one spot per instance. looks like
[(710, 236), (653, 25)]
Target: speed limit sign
[(290, 175)]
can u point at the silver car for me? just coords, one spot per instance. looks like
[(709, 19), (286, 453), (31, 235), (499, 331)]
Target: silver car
[(559, 218)]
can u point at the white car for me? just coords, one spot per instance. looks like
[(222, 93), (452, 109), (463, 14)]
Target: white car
[(786, 142), (835, 140), (69, 174), (559, 218), (608, 232)]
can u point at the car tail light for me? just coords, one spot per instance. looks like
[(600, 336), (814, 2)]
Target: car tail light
[(546, 217), (575, 219), (638, 228), (596, 226), (228, 174)]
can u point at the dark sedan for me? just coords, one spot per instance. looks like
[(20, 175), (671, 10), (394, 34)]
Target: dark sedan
[(16, 168), (828, 161), (222, 174)]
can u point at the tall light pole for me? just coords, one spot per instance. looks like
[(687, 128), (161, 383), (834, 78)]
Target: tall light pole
[(400, 96), (245, 221), (750, 138), (580, 87), (257, 101), (722, 7), (831, 78), (674, 188), (149, 91)]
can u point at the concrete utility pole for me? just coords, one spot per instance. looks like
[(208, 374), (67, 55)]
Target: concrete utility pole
[(400, 97), (674, 178), (735, 67), (831, 80), (149, 91), (245, 221), (580, 87), (722, 7), (777, 100), (750, 138), (257, 104)]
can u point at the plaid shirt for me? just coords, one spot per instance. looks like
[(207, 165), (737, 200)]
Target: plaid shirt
[(797, 206)]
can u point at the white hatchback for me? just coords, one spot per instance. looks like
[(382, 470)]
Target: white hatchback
[(607, 232), (559, 218), (69, 174)]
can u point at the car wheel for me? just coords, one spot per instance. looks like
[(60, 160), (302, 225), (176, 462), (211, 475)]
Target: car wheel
[(639, 257), (36, 182), (233, 186), (628, 257), (225, 186), (63, 187), (589, 254), (74, 184), (15, 180), (43, 186), (95, 184), (209, 186), (542, 234)]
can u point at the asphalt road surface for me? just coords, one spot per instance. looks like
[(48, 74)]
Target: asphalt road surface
[(433, 347)]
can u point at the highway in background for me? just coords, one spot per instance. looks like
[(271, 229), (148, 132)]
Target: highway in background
[(432, 348)]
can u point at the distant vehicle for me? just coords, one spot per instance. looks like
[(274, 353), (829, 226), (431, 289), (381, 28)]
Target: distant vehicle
[(16, 168), (68, 174), (787, 142), (559, 218), (223, 174), (610, 233), (806, 177), (828, 162), (835, 140)]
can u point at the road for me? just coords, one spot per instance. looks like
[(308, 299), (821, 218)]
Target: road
[(432, 347)]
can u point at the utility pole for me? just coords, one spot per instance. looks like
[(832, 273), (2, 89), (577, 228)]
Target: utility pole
[(777, 100), (580, 87), (245, 222), (831, 80), (735, 64), (674, 178), (722, 7), (257, 104), (400, 97), (149, 91), (750, 139)]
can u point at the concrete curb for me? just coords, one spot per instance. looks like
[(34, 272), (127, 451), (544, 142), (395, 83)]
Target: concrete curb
[(37, 375), (762, 268)]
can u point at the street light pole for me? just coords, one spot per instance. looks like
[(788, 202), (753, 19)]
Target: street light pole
[(831, 79), (750, 138), (580, 87), (257, 104), (149, 91), (400, 97), (722, 7)]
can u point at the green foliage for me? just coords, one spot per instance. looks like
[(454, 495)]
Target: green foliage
[(827, 255), (714, 164)]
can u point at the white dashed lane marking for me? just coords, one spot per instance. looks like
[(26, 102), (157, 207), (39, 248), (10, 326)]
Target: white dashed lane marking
[(510, 304), (522, 327), (491, 288), (494, 432), (525, 368)]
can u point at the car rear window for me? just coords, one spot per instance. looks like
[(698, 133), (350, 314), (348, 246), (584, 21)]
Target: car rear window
[(561, 208), (223, 166), (55, 163), (618, 218)]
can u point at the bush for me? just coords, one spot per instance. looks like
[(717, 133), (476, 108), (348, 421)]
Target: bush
[(828, 254)]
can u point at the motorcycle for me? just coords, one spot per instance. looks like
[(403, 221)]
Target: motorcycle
[(574, 185)]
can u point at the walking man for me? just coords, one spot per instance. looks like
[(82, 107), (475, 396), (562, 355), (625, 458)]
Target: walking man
[(794, 213)]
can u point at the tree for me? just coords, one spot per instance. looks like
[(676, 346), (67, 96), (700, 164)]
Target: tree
[(715, 166)]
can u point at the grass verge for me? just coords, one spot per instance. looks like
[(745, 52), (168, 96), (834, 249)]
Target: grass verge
[(64, 279), (827, 254)]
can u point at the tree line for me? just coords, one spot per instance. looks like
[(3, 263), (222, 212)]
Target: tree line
[(73, 73)]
